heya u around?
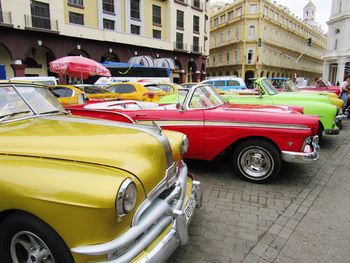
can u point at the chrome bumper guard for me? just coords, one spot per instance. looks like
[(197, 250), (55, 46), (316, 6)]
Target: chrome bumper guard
[(304, 157), (157, 217)]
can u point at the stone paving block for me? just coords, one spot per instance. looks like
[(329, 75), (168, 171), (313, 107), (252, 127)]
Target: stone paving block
[(282, 220), (251, 258), (275, 229), (270, 254), (260, 249), (268, 238), (285, 233), (303, 209), (213, 235), (278, 243), (292, 223), (247, 236)]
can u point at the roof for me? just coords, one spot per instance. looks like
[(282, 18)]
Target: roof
[(310, 4)]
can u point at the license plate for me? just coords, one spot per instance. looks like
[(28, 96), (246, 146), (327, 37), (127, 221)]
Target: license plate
[(189, 208)]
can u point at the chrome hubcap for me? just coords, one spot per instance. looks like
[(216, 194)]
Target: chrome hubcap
[(27, 247), (255, 162)]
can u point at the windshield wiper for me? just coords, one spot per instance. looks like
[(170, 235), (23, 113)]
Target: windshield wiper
[(7, 116), (55, 111)]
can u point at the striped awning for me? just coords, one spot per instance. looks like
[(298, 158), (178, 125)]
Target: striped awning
[(142, 60), (165, 63)]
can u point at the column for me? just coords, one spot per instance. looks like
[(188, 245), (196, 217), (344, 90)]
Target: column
[(18, 70), (197, 76), (182, 76), (326, 67), (341, 70)]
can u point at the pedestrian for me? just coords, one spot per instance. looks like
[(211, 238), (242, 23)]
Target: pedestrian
[(338, 83), (344, 92)]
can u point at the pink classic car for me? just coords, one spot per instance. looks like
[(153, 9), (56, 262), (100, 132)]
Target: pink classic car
[(322, 85), (256, 137)]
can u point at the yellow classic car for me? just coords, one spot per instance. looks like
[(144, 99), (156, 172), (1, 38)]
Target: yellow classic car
[(84, 190), (136, 91), (167, 88), (75, 94)]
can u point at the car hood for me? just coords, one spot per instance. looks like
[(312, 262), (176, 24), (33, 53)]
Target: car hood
[(112, 144), (302, 96), (264, 108)]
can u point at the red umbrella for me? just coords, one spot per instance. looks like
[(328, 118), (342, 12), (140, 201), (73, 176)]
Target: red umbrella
[(79, 67)]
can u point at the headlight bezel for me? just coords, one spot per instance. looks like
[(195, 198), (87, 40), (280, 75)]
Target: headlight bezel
[(127, 185), (184, 144)]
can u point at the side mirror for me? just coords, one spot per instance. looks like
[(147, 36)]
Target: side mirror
[(179, 107)]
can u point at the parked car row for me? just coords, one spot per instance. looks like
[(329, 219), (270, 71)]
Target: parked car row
[(103, 179)]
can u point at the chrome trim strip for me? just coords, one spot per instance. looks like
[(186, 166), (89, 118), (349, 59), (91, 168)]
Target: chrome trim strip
[(166, 123)]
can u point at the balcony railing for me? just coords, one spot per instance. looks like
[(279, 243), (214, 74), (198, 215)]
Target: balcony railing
[(196, 49), (180, 46), (5, 17), (197, 4), (41, 22)]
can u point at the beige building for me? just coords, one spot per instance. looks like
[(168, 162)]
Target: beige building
[(255, 38), (34, 32)]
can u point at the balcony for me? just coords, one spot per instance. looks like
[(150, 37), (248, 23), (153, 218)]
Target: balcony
[(180, 46), (5, 18), (196, 49), (182, 2), (197, 5), (41, 23)]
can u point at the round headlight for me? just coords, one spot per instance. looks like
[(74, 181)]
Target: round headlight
[(184, 144), (126, 198)]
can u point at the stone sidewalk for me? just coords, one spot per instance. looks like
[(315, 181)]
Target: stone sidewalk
[(244, 222)]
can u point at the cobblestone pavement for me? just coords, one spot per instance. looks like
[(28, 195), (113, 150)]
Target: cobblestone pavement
[(245, 222)]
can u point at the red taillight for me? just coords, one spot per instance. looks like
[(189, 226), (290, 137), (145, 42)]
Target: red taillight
[(149, 95)]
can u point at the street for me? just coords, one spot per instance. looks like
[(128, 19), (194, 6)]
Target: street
[(303, 216)]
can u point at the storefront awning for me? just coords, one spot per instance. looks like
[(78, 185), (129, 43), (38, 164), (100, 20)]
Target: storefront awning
[(165, 63), (142, 60)]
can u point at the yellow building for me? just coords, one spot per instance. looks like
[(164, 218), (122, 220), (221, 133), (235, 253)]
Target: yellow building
[(34, 32), (253, 38)]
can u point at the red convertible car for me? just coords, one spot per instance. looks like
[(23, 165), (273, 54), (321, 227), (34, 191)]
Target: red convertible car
[(256, 137)]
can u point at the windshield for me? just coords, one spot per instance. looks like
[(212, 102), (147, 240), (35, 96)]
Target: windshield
[(37, 100), (93, 89), (270, 89), (289, 86), (205, 97), (152, 88)]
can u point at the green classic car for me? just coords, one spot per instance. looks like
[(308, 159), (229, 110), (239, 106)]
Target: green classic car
[(85, 190), (314, 104)]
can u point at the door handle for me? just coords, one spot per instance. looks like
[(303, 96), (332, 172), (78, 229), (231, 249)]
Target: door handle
[(140, 114)]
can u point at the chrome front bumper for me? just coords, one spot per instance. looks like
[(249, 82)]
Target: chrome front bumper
[(306, 156), (335, 127), (155, 218)]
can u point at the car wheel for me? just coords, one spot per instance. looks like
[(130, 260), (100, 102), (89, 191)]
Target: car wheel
[(26, 238), (320, 130), (256, 161)]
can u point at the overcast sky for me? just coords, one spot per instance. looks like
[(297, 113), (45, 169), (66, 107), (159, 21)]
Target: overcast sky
[(323, 11)]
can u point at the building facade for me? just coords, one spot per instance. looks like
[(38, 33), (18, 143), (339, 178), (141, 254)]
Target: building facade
[(35, 32), (337, 58), (255, 38)]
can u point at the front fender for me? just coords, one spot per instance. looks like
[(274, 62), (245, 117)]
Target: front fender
[(76, 199)]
